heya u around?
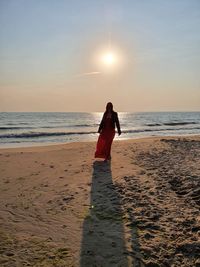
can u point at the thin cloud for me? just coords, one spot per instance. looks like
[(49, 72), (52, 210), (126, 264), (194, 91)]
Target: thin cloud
[(88, 73)]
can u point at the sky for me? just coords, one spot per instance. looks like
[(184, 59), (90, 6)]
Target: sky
[(51, 55)]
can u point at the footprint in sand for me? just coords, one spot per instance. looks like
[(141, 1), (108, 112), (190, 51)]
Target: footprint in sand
[(142, 172), (9, 254), (68, 199), (148, 236)]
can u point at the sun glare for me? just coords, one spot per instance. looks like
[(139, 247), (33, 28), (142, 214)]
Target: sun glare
[(109, 58)]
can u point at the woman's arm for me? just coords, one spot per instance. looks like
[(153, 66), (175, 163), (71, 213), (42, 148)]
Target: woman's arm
[(117, 124)]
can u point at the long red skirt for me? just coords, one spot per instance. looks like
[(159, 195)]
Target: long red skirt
[(104, 143)]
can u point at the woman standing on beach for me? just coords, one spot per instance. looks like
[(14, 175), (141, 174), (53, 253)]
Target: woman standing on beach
[(107, 132)]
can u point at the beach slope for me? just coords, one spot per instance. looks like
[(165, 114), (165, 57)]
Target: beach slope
[(61, 207)]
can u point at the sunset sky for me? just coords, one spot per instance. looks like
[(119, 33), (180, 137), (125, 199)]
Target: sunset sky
[(52, 55)]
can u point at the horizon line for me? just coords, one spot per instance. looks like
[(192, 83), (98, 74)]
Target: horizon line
[(164, 111)]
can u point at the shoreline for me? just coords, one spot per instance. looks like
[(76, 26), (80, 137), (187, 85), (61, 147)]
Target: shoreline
[(61, 207), (53, 145)]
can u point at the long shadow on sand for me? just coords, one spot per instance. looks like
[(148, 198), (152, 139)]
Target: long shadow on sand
[(103, 233)]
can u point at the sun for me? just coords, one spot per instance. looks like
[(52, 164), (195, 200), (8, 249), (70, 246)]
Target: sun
[(109, 58)]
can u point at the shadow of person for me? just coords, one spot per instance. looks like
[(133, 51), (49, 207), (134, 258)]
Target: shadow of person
[(103, 242)]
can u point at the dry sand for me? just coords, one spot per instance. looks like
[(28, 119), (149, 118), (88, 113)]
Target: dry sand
[(61, 207)]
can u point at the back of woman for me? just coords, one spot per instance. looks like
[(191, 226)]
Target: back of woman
[(107, 132)]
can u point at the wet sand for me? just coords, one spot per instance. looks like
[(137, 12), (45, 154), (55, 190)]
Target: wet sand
[(61, 207)]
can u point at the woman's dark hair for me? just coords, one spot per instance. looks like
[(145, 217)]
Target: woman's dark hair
[(109, 106)]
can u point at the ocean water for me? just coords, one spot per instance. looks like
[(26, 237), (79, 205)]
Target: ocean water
[(36, 128)]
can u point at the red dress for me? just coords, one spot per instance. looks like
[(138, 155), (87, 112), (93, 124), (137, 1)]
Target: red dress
[(105, 140)]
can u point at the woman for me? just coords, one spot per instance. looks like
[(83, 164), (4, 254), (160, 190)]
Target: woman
[(107, 132)]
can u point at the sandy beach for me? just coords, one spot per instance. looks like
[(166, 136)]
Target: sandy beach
[(60, 207)]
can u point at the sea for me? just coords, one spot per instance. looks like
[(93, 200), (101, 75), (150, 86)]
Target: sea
[(19, 129)]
